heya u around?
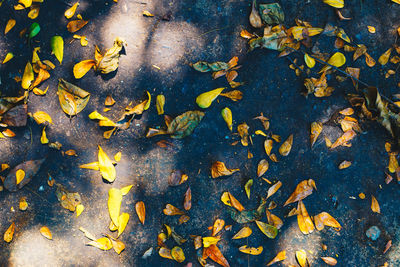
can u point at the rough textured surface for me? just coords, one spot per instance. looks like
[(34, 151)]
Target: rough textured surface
[(198, 30)]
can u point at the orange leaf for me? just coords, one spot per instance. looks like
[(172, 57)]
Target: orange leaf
[(215, 254), (45, 231), (347, 136), (219, 169), (141, 211), (76, 25), (279, 257), (230, 200), (218, 225), (329, 260), (8, 235), (303, 219), (285, 148), (172, 210), (303, 189), (81, 68), (325, 218), (375, 205)]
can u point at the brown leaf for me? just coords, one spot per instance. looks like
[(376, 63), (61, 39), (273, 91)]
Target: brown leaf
[(219, 169), (215, 254), (171, 210), (285, 148), (68, 200), (387, 246), (329, 260), (187, 203), (347, 136), (177, 177), (303, 189), (243, 130), (76, 25), (141, 211)]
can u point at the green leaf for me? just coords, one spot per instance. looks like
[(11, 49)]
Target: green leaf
[(247, 216), (57, 46), (184, 125), (272, 13), (268, 230), (34, 30), (203, 66)]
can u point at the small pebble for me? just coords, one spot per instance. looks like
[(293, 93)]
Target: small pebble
[(41, 188), (373, 232)]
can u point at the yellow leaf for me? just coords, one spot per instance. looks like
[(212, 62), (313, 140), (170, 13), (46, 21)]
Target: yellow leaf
[(57, 46), (247, 187), (344, 164), (285, 148), (337, 60), (301, 256), (114, 204), (117, 157), (39, 92), (219, 169), (122, 222), (177, 254), (34, 12), (91, 166), (110, 61), (26, 3), (303, 219), (325, 219), (103, 243), (369, 60), (69, 13), (227, 116), (147, 105), (243, 233), (375, 205), (384, 58), (217, 226), (268, 146), (396, 1), (160, 102), (45, 231), (43, 138), (125, 190), (259, 132), (269, 230), (141, 211), (165, 253), (279, 257), (79, 209), (20, 175), (250, 250), (210, 240), (204, 100), (147, 14), (371, 29), (10, 24), (42, 117), (335, 3), (28, 76), (229, 200), (262, 167), (23, 205), (310, 62), (8, 57), (81, 68), (272, 190), (107, 169), (8, 235), (117, 245)]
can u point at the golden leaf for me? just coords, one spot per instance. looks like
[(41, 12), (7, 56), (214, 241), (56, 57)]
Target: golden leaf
[(10, 24), (268, 146), (122, 222), (247, 187), (335, 3), (110, 60), (303, 189), (79, 209), (393, 163), (325, 219), (76, 25), (28, 76), (20, 175), (285, 148), (375, 205), (39, 92), (165, 253), (147, 14), (81, 68), (369, 60), (69, 13), (344, 164), (234, 95), (303, 219), (243, 130), (103, 243), (250, 250), (117, 156), (8, 57), (217, 227), (371, 29), (229, 200), (215, 254), (43, 138), (141, 211), (41, 117), (279, 257), (329, 260), (210, 240), (269, 230), (219, 169), (243, 233), (272, 190), (337, 60), (204, 100), (274, 220), (160, 102), (316, 128), (172, 210), (8, 235), (384, 58), (177, 254), (45, 231), (301, 256), (91, 166), (262, 167), (114, 204), (107, 169), (117, 245)]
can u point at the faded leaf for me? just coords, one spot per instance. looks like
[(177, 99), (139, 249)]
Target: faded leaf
[(269, 230), (8, 235), (272, 190), (177, 254), (68, 200), (30, 168), (243, 233), (215, 254), (274, 220), (247, 187), (217, 227), (254, 18), (303, 219), (251, 250), (384, 58), (160, 102), (72, 98), (325, 219), (268, 146), (316, 128), (262, 167), (234, 95), (106, 166), (243, 130), (110, 60), (165, 253), (219, 169), (272, 13), (45, 231), (344, 164), (172, 210), (187, 203), (347, 136), (76, 25), (279, 257), (141, 211), (329, 260), (226, 114)]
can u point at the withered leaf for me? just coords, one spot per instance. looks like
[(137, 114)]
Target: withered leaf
[(279, 257), (30, 168), (219, 169), (285, 148), (329, 260), (8, 235), (172, 210), (217, 227), (215, 254), (243, 233), (375, 205), (72, 98), (187, 203), (229, 200), (316, 128), (303, 189), (67, 199), (140, 211), (262, 167), (303, 219), (325, 219), (272, 190), (110, 60)]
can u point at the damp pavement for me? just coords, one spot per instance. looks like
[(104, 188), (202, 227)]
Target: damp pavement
[(157, 59)]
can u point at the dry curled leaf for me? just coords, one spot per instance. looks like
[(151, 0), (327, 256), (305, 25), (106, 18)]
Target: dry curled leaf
[(187, 203), (342, 140), (285, 148), (109, 62), (303, 189), (215, 254), (262, 167), (229, 200), (272, 190), (219, 169), (325, 219), (172, 210), (8, 235), (316, 128)]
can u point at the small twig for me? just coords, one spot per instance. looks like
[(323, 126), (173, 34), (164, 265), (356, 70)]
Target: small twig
[(213, 31)]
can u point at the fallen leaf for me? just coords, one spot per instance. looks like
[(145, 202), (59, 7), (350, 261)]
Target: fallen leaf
[(81, 68), (45, 231), (329, 260), (122, 222), (28, 76), (301, 257), (42, 117), (106, 166), (30, 168), (325, 219), (268, 146), (8, 133), (147, 14), (262, 167), (103, 243), (217, 227), (215, 254), (347, 136), (20, 175), (371, 29), (316, 128), (279, 257), (79, 209), (68, 200), (274, 220), (243, 233), (114, 204), (344, 164), (254, 18), (247, 187), (91, 166), (286, 146), (303, 219), (109, 62), (39, 92), (310, 62), (23, 204), (172, 210), (117, 156), (219, 169), (204, 100), (226, 114), (57, 47), (187, 203), (140, 211), (384, 58), (387, 246), (269, 230), (165, 253), (76, 25), (243, 130), (337, 60), (8, 57), (8, 235), (34, 30), (73, 99), (369, 60), (303, 189), (117, 245), (177, 254), (272, 190), (234, 95), (251, 250), (375, 205), (229, 200), (69, 13), (10, 24)]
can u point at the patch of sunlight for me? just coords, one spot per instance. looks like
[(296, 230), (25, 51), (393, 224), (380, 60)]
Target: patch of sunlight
[(293, 240)]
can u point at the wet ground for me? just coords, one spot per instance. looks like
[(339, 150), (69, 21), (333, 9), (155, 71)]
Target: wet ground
[(197, 30)]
